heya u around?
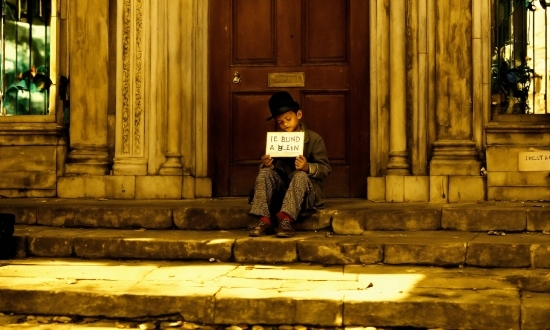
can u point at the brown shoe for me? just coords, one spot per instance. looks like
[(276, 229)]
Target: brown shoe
[(285, 229), (261, 229)]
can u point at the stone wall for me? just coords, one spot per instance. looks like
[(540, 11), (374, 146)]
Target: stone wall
[(428, 107)]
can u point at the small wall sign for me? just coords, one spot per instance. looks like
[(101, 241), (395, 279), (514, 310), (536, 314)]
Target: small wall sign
[(285, 144), (534, 160)]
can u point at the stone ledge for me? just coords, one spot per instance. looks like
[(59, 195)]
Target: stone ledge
[(483, 219), (345, 217), (311, 295), (438, 248)]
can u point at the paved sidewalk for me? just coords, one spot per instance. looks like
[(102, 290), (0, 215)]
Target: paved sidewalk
[(218, 293)]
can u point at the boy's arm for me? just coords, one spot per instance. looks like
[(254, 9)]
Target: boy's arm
[(319, 166)]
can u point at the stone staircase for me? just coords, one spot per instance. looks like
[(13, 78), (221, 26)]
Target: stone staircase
[(471, 266)]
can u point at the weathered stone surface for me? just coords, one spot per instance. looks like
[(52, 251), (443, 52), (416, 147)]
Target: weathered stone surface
[(313, 221), (541, 255), (339, 250), (37, 171), (110, 217), (538, 219), (297, 272), (254, 306), (52, 243), (534, 311), (275, 307), (195, 304), (395, 188), (158, 187), (439, 188), (518, 193), (417, 188), (125, 244), (96, 186), (410, 218), (348, 221), (312, 295), (54, 216), (439, 248), (436, 308), (265, 250), (493, 251), (376, 189), (517, 179), (325, 311), (466, 189), (144, 217), (21, 234), (202, 218), (483, 219), (535, 280), (23, 216), (504, 158)]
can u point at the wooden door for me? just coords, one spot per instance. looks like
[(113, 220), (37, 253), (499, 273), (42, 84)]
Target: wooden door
[(315, 49)]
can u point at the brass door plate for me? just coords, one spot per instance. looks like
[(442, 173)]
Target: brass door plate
[(286, 79)]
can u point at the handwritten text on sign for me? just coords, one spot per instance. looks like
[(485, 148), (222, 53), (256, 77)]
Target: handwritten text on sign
[(285, 144), (534, 160)]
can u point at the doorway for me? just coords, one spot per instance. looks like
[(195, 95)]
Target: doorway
[(315, 49)]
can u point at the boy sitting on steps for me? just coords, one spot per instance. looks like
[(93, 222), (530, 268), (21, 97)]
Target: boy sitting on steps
[(299, 181)]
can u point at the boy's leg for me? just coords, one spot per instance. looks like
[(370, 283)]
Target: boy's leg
[(300, 194), (268, 183)]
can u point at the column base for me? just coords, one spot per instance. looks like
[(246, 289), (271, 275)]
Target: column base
[(173, 166), (455, 167), (130, 166), (87, 162), (398, 163), (454, 157)]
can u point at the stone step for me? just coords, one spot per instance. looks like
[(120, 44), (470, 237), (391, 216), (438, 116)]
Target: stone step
[(444, 248), (345, 216), (296, 293)]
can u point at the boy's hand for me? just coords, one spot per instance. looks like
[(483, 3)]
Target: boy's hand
[(267, 161), (301, 164)]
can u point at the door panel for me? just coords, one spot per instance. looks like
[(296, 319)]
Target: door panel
[(326, 31), (327, 112), (257, 17), (311, 37)]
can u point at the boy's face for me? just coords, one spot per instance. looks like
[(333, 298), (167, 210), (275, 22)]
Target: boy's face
[(289, 121)]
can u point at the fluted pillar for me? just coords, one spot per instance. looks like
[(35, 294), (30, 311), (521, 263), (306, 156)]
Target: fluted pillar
[(173, 164), (398, 161), (89, 54), (454, 151), (133, 56)]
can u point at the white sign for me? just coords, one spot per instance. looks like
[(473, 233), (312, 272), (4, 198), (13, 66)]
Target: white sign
[(285, 144), (534, 160)]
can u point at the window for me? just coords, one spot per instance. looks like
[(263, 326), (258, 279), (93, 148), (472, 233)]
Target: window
[(519, 62), (25, 63)]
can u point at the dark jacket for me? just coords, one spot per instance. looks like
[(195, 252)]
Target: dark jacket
[(316, 154)]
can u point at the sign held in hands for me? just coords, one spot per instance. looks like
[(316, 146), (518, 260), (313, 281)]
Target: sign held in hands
[(284, 144)]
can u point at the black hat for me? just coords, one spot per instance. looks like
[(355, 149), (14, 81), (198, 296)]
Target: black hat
[(282, 102)]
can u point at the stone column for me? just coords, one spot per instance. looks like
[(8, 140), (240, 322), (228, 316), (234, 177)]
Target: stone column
[(398, 162), (454, 151), (133, 56), (89, 54), (173, 164)]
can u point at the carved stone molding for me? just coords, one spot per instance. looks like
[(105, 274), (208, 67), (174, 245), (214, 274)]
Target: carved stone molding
[(131, 42)]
